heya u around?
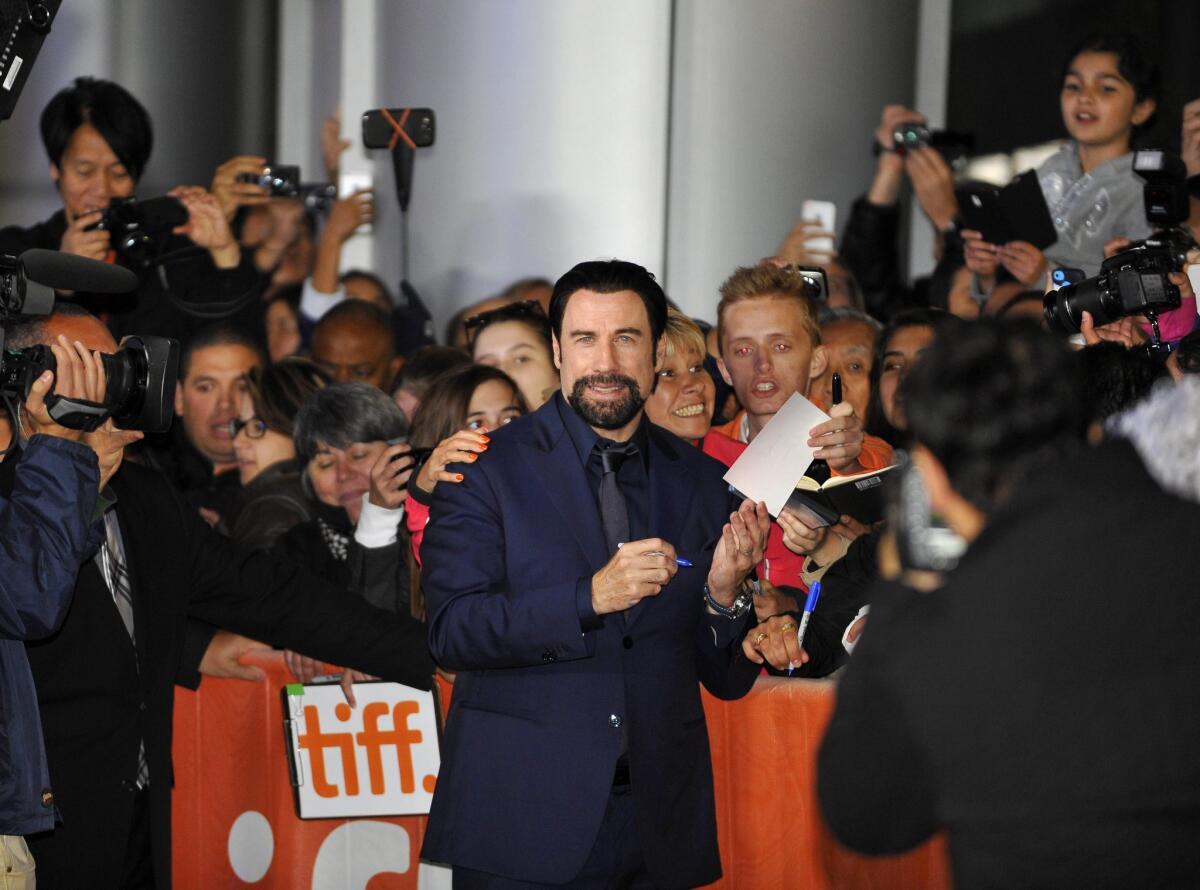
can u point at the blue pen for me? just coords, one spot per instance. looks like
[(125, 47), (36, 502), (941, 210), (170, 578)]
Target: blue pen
[(810, 604), (682, 563)]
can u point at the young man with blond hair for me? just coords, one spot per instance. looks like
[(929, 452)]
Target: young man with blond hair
[(770, 346)]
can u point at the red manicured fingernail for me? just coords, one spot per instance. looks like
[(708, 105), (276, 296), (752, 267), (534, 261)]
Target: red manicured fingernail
[(483, 448), (472, 456), (458, 477)]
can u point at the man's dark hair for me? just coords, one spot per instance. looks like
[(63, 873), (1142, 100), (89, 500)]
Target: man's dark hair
[(218, 335), (610, 277), (109, 107), (31, 329), (1116, 378), (360, 312), (994, 400), (1133, 62), (341, 414), (426, 365), (374, 279)]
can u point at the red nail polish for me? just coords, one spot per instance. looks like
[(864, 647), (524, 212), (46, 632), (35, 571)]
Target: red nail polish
[(458, 477)]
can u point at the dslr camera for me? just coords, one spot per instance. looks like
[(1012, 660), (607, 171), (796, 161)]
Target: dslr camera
[(1134, 281), (139, 230), (279, 180), (283, 181), (954, 147), (140, 376)]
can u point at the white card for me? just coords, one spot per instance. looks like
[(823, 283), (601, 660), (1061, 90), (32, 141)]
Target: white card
[(773, 463)]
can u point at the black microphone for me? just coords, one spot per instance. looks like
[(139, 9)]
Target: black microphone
[(66, 271)]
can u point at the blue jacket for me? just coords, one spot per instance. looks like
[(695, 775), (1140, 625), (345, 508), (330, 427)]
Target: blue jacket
[(44, 537), (541, 702)]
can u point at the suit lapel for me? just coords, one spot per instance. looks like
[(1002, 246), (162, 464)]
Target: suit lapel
[(671, 496), (554, 464)]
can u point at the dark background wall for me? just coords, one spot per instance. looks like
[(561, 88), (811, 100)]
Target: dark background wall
[(1005, 60)]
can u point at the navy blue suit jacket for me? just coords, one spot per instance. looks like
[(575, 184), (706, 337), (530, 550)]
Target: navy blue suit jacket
[(540, 704)]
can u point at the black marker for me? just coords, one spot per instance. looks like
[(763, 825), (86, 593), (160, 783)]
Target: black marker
[(837, 389)]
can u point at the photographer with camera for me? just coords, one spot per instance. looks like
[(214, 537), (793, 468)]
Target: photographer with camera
[(105, 679), (1036, 707), (98, 138), (49, 495)]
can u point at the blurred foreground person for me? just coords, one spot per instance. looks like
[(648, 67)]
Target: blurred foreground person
[(1029, 707)]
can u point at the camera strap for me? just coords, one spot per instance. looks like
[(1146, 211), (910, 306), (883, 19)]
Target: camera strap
[(207, 310)]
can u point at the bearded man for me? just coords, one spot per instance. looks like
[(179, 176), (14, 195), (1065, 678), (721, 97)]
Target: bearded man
[(583, 579)]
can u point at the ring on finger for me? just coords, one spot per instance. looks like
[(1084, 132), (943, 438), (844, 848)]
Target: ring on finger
[(762, 635), (787, 626)]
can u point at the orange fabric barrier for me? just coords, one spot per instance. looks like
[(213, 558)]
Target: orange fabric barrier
[(233, 800), (772, 837)]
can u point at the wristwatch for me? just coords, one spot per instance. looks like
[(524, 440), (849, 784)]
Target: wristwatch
[(741, 604)]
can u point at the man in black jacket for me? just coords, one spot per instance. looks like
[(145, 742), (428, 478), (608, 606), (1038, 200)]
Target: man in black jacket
[(105, 679), (1041, 705), (98, 138)]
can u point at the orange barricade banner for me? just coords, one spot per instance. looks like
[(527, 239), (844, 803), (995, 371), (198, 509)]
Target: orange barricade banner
[(236, 825)]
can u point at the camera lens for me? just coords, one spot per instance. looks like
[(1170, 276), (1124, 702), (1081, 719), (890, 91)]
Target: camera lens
[(1064, 308), (137, 248), (126, 387)]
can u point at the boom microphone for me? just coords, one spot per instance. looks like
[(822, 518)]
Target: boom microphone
[(65, 271)]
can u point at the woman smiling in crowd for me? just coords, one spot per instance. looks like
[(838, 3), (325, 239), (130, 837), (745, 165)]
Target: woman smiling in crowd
[(684, 394)]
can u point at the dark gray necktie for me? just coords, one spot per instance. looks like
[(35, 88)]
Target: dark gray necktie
[(614, 512), (116, 576)]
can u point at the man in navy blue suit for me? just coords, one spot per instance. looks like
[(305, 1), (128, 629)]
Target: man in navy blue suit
[(583, 579)]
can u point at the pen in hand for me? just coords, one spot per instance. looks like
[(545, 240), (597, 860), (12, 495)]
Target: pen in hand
[(810, 604), (679, 561)]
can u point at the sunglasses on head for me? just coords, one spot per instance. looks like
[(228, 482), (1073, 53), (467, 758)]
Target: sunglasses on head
[(511, 312)]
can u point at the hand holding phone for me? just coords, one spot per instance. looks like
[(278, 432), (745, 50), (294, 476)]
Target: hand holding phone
[(824, 214)]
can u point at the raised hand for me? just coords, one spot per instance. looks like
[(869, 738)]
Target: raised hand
[(232, 193), (839, 440), (743, 542)]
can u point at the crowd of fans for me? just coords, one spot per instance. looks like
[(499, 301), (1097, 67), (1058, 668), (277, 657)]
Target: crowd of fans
[(315, 421)]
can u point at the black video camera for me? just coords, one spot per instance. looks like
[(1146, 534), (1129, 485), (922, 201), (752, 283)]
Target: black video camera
[(139, 393), (139, 230), (1134, 281), (140, 377), (954, 147)]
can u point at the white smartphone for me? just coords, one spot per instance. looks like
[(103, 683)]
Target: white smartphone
[(348, 184), (824, 213)]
